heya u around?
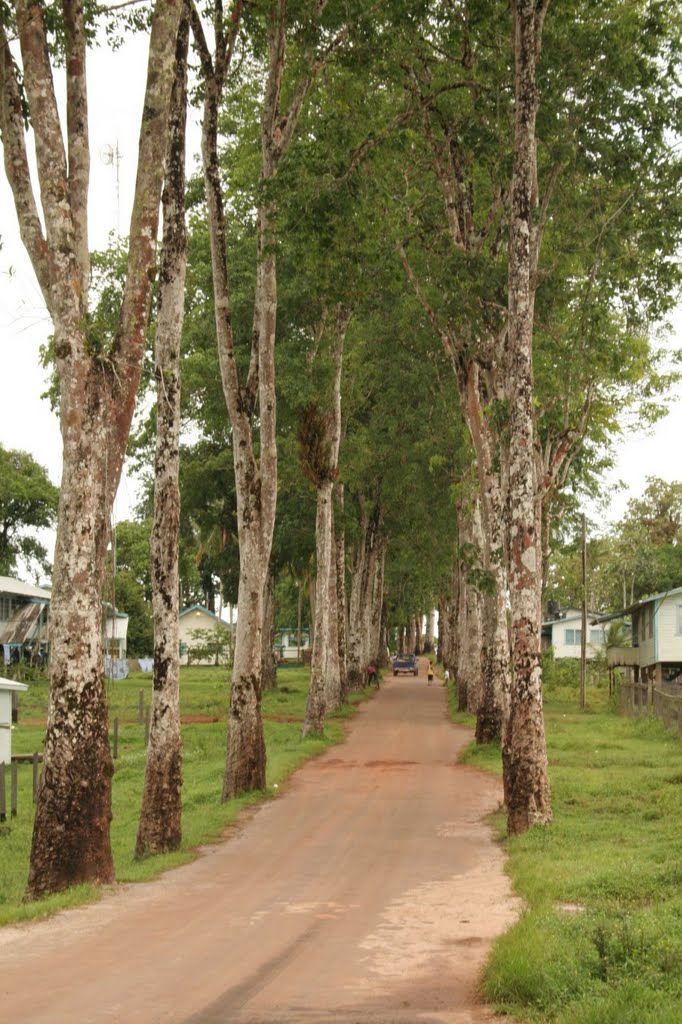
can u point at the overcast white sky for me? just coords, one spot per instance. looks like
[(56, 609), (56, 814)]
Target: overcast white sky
[(116, 85)]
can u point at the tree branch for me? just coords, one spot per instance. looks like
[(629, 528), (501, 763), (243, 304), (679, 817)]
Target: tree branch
[(77, 134), (49, 146), (17, 169)]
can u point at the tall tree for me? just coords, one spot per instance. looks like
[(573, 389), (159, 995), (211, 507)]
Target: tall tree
[(526, 778), (251, 398), (97, 389), (320, 435), (160, 825)]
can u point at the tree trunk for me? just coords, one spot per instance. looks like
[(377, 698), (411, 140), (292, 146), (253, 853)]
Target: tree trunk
[(71, 842), (524, 753), (429, 631), (320, 443), (98, 387), (317, 696), (256, 478), (268, 658), (251, 405), (411, 635), (245, 765), (363, 569), (160, 826), (333, 683), (468, 670), (341, 610), (377, 603)]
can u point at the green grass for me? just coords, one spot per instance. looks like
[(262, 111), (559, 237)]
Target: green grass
[(204, 695), (601, 939)]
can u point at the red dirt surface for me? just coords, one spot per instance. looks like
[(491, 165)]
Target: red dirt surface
[(368, 893)]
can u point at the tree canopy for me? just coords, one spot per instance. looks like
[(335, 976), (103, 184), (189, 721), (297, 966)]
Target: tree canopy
[(28, 502)]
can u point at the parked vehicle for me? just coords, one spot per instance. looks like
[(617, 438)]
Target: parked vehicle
[(405, 663)]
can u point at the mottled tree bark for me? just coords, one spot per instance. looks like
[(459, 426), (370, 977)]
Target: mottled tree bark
[(478, 391), (333, 684), (469, 671), (377, 602), (160, 826), (411, 636), (321, 466), (316, 707), (268, 655), (526, 778), (341, 609), (98, 387), (362, 596), (429, 631), (447, 615)]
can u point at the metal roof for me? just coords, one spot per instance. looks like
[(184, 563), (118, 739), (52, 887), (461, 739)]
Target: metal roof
[(24, 625), (11, 684), (8, 585), (638, 604)]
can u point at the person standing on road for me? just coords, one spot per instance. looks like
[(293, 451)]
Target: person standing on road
[(429, 673), (446, 677)]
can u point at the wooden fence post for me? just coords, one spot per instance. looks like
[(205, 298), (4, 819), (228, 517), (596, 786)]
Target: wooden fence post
[(140, 707), (36, 758), (14, 786)]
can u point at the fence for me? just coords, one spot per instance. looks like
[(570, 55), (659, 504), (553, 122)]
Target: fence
[(9, 772), (644, 699), (12, 770)]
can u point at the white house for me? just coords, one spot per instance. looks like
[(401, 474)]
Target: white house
[(563, 633), (287, 644), (656, 652), (115, 630), (195, 617)]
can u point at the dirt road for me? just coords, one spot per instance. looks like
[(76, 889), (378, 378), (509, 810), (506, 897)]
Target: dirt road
[(368, 893)]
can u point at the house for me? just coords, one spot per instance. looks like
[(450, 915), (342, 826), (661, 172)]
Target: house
[(115, 629), (656, 652), (202, 648), (24, 612), (562, 631), (23, 619), (287, 644)]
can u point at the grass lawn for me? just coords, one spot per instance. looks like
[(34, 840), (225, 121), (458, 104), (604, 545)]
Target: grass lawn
[(204, 706), (601, 939)]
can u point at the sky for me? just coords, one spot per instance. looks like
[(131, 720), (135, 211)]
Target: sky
[(116, 86)]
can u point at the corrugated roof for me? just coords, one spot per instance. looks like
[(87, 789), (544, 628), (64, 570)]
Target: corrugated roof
[(638, 604), (23, 627), (8, 585)]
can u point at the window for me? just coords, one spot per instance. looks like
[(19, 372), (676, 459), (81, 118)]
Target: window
[(596, 638), (573, 637)]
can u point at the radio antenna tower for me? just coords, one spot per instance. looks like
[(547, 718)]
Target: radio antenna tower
[(111, 157)]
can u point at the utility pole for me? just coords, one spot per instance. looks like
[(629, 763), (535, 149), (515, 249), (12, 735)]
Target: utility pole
[(583, 631)]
